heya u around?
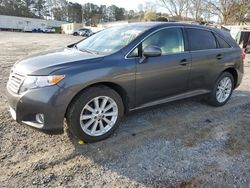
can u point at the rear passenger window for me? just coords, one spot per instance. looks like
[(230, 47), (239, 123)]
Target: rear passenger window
[(200, 39), (222, 42)]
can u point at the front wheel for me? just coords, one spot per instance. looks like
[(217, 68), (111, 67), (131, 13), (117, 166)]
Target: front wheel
[(222, 90), (95, 113)]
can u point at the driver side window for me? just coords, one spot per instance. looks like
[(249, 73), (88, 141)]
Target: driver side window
[(170, 40)]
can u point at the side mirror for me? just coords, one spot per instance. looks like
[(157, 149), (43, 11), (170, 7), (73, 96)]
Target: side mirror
[(150, 51)]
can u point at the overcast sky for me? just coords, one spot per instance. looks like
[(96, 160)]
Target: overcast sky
[(127, 4)]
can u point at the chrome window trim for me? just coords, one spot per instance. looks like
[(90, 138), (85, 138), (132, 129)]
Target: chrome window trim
[(189, 27), (214, 37)]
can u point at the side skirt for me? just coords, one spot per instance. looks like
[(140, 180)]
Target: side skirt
[(173, 98)]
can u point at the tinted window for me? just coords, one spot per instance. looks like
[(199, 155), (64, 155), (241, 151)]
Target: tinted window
[(200, 39), (222, 42), (169, 40)]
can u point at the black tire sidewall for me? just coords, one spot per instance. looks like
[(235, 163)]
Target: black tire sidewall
[(78, 104), (213, 98)]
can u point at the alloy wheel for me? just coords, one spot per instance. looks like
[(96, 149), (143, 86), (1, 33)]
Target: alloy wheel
[(98, 116), (224, 89)]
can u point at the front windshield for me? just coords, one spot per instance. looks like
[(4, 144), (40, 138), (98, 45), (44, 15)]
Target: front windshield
[(111, 40)]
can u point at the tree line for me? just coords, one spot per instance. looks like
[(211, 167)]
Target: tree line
[(227, 11), (63, 10)]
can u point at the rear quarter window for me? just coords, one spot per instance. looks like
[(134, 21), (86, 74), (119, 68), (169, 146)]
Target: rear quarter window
[(222, 43), (200, 39)]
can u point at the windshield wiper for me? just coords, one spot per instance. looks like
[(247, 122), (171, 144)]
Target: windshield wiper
[(86, 50)]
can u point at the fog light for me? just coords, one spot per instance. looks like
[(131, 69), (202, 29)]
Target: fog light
[(40, 118)]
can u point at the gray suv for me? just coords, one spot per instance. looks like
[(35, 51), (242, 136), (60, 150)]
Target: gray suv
[(94, 82)]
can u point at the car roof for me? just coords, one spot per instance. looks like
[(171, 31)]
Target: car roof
[(226, 35), (151, 25), (165, 24)]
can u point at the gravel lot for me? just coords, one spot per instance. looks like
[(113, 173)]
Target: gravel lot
[(182, 144)]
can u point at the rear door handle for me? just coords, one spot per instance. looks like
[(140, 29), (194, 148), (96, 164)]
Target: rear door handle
[(219, 56), (184, 62)]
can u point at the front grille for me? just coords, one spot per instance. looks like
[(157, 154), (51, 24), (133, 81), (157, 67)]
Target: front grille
[(15, 82)]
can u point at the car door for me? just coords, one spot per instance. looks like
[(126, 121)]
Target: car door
[(205, 58), (165, 75)]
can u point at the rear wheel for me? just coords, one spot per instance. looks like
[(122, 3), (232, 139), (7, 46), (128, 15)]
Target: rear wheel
[(222, 90), (95, 114)]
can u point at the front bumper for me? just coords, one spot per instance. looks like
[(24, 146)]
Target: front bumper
[(48, 101)]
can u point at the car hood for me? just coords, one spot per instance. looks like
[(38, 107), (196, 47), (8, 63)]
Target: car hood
[(47, 62)]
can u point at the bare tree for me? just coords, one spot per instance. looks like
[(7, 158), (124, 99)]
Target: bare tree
[(226, 10), (176, 8), (150, 16), (206, 12), (244, 9), (196, 9)]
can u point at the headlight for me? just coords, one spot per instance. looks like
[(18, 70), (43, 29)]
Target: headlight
[(32, 82)]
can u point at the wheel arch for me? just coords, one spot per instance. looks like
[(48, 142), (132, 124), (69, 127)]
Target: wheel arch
[(116, 87), (234, 73)]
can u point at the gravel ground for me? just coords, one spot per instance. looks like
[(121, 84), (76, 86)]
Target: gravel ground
[(183, 144)]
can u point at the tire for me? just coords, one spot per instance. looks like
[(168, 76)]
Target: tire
[(214, 98), (84, 105)]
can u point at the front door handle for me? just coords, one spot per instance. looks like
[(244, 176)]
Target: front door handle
[(219, 56), (184, 62)]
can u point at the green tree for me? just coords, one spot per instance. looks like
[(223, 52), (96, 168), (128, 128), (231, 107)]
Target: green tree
[(40, 8), (91, 13), (74, 12), (103, 13), (116, 13), (59, 14), (17, 8)]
